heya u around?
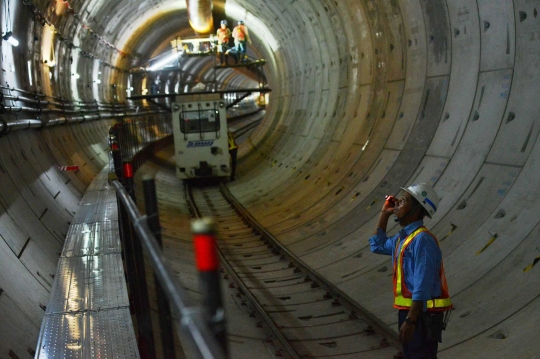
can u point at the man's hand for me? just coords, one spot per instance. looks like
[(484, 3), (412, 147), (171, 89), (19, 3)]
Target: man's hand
[(386, 211), (389, 205), (406, 332)]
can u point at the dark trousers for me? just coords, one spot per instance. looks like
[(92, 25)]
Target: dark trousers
[(234, 154), (222, 49), (420, 347)]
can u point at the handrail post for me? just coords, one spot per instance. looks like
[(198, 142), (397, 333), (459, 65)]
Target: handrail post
[(207, 261), (117, 160), (164, 310), (142, 309)]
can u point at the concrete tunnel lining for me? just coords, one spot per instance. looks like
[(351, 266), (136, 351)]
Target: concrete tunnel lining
[(367, 97)]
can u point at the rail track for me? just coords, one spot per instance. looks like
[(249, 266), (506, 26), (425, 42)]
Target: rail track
[(307, 316)]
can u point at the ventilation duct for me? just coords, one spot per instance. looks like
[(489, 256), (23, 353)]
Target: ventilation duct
[(200, 15)]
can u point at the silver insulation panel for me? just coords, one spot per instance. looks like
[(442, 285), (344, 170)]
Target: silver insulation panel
[(88, 313)]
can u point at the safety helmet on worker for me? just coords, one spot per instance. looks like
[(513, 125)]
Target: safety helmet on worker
[(224, 22), (425, 195), (240, 22)]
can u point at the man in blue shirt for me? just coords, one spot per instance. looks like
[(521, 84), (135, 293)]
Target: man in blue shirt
[(420, 289)]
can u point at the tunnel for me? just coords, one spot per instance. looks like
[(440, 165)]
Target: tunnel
[(366, 97)]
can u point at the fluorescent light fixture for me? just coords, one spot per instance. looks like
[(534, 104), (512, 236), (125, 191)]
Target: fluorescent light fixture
[(363, 148), (30, 72), (9, 38), (162, 63)]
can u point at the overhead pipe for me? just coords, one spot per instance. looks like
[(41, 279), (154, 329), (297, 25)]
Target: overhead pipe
[(58, 101), (200, 15), (24, 124)]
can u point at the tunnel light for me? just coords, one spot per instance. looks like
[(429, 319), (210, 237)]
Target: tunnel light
[(363, 148), (9, 38), (77, 76), (98, 81), (162, 63), (144, 91), (30, 73)]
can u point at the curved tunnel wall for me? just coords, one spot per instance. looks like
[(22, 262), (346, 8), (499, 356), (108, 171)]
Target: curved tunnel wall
[(436, 88), (367, 97)]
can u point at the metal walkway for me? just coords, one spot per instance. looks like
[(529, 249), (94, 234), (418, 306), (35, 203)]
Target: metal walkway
[(88, 313)]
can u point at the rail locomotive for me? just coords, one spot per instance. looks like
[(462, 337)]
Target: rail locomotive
[(200, 137)]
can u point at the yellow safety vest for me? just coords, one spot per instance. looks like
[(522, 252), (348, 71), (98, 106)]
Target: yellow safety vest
[(402, 295)]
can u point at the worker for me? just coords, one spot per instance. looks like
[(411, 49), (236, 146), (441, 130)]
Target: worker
[(233, 151), (420, 288), (232, 52), (241, 37), (223, 35)]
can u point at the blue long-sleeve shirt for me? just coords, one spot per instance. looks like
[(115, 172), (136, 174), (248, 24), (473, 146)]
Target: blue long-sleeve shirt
[(421, 260)]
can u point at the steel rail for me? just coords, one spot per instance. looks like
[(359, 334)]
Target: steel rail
[(246, 128), (378, 326), (258, 307), (191, 318)]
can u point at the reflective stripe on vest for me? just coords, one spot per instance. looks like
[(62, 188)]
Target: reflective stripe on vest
[(232, 142), (402, 295), (240, 32)]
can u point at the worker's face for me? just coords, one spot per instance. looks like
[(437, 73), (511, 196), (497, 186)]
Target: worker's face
[(223, 26), (403, 205)]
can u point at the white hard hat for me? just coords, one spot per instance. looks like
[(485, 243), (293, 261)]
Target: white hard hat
[(425, 195)]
